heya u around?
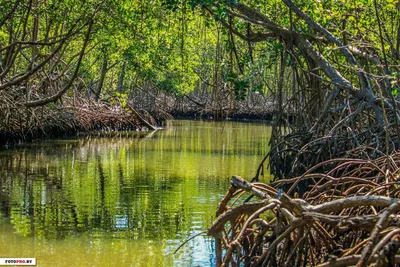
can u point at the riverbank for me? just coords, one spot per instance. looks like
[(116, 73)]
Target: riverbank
[(232, 116), (77, 116), (203, 105), (70, 118)]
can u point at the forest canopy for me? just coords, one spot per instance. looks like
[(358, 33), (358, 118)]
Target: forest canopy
[(325, 71)]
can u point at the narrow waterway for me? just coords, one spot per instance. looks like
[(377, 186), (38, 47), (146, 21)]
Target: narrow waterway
[(127, 200)]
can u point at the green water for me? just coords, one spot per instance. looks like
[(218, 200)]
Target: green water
[(127, 200)]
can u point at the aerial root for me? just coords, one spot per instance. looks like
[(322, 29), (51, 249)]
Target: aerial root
[(347, 216), (68, 118)]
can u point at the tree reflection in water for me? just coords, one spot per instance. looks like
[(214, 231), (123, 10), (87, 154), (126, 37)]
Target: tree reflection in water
[(127, 197)]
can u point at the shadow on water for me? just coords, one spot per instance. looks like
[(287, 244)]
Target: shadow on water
[(126, 200)]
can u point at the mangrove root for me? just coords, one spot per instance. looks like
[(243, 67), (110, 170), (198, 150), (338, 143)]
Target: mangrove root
[(347, 216)]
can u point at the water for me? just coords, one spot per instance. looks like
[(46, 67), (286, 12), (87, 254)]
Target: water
[(127, 200)]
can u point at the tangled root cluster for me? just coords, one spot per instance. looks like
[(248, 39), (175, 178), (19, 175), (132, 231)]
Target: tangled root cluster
[(349, 215), (18, 123)]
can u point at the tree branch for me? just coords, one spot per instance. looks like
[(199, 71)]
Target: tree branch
[(55, 97)]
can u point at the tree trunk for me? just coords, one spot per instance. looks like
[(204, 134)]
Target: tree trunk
[(120, 88), (104, 70)]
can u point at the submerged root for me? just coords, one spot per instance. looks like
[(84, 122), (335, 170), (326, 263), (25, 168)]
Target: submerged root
[(347, 216)]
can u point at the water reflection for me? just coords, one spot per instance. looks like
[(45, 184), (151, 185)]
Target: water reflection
[(133, 197)]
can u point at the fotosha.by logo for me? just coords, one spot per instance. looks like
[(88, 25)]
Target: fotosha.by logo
[(18, 261)]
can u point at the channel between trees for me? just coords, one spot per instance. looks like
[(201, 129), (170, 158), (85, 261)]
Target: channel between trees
[(325, 72)]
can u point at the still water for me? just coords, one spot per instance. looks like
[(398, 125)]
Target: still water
[(126, 200)]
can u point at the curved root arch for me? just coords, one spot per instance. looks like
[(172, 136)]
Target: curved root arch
[(348, 216)]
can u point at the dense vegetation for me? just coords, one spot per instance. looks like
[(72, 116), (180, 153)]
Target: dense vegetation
[(329, 67), (326, 72)]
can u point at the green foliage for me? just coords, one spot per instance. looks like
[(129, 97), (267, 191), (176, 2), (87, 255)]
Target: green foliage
[(3, 36), (51, 106), (170, 43), (395, 92), (240, 85), (122, 99), (169, 84)]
